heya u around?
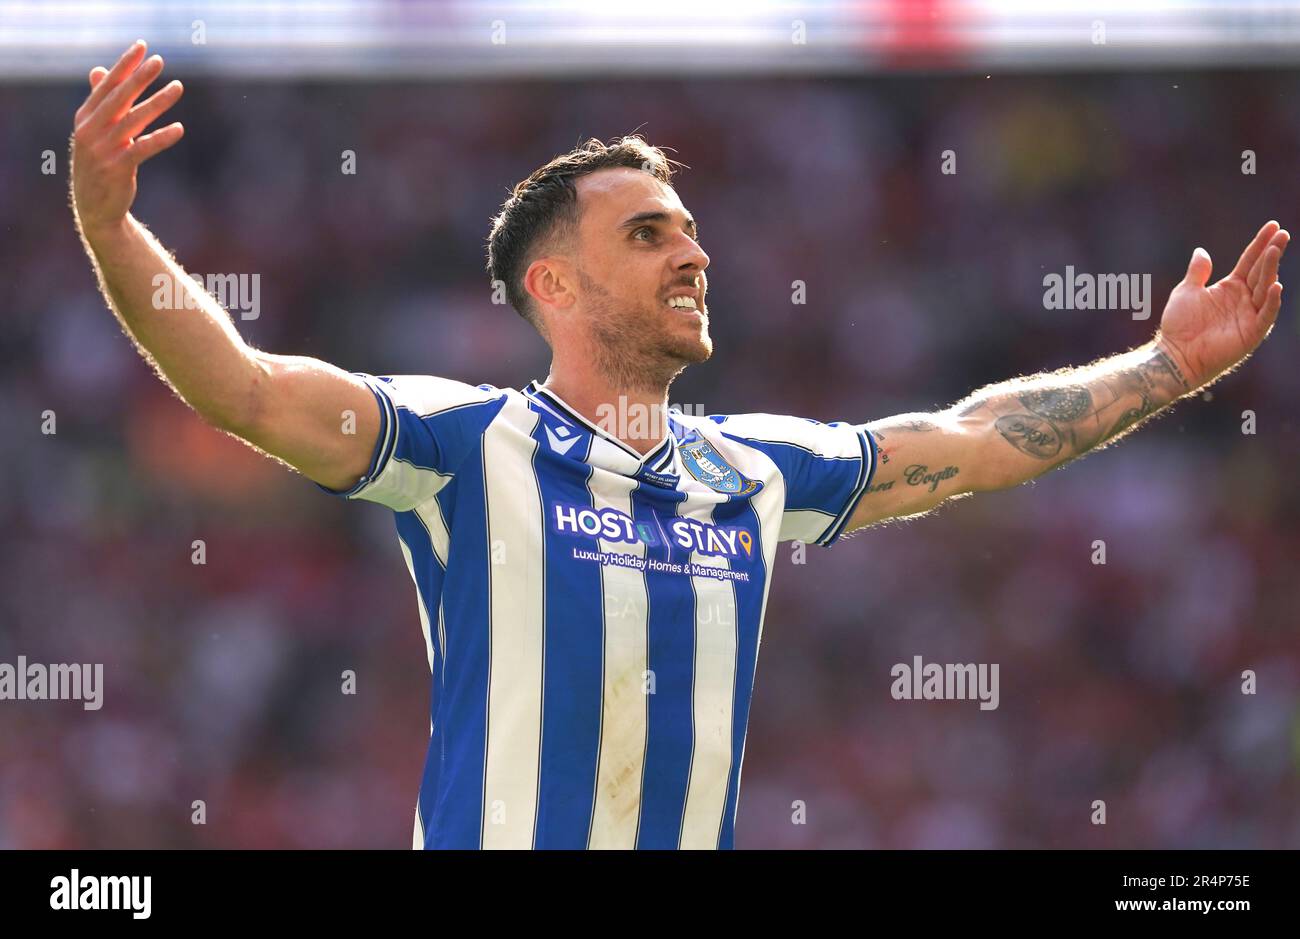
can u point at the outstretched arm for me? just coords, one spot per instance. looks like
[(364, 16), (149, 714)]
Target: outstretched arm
[(1012, 432), (291, 407)]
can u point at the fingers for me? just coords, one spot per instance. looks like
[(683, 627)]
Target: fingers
[(1199, 268), (119, 100), (1259, 280), (108, 114), (1254, 249), (125, 65), (1267, 274), (1272, 303), (152, 144), (148, 111), (1279, 241)]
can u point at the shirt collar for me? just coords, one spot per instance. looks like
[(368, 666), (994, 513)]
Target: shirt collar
[(659, 459)]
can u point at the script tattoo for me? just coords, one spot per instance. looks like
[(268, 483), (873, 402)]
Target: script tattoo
[(917, 475), (1030, 435)]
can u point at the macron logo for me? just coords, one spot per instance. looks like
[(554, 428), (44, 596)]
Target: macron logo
[(558, 440)]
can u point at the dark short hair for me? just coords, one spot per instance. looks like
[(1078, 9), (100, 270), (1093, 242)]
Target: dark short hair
[(542, 211)]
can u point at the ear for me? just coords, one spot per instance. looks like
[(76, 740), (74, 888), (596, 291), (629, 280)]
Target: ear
[(549, 281)]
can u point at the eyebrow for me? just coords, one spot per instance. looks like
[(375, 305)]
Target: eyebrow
[(664, 217)]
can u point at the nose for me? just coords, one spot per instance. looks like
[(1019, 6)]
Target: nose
[(693, 257)]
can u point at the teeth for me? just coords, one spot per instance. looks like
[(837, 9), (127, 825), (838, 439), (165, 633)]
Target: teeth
[(683, 303)]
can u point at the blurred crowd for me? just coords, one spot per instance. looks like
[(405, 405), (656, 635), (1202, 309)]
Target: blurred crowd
[(1121, 683)]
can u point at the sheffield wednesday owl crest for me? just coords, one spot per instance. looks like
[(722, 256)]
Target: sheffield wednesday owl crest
[(705, 463)]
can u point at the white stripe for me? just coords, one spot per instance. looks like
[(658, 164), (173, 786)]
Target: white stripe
[(625, 704), (713, 692), (403, 486), (417, 835), (439, 536), (546, 406), (516, 551), (430, 513), (398, 484), (821, 439), (767, 506), (419, 597), (428, 395), (434, 524)]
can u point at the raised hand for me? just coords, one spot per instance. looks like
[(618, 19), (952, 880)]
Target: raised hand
[(1208, 330), (106, 143)]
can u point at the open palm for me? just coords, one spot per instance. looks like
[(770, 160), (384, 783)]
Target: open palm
[(1211, 328)]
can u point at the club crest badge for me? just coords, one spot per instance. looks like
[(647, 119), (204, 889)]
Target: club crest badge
[(704, 463)]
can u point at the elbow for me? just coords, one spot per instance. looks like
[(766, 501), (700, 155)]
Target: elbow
[(240, 413)]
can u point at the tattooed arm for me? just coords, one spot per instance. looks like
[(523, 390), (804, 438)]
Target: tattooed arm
[(1009, 433), (1012, 432)]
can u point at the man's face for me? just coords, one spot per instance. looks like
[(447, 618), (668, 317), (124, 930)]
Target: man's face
[(637, 257)]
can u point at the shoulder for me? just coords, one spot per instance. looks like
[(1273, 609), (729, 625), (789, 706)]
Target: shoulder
[(431, 395), (784, 431)]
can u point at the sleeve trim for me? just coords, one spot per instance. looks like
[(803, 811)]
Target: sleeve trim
[(385, 441), (865, 474)]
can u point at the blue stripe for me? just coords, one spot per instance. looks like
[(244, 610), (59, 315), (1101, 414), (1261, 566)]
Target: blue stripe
[(429, 577), (749, 613), (443, 440), (572, 658), (457, 815), (814, 483), (867, 469), (670, 655)]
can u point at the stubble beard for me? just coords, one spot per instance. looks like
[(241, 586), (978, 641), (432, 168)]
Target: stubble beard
[(635, 348)]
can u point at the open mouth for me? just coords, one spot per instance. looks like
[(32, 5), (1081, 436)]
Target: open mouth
[(683, 304)]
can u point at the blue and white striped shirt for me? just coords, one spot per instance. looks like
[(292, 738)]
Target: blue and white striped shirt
[(593, 616)]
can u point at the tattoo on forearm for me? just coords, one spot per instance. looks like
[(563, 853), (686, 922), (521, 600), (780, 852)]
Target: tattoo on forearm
[(1060, 405), (1163, 363), (1049, 418), (1074, 418), (1126, 420), (1031, 435), (918, 475)]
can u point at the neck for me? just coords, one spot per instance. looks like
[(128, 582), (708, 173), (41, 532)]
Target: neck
[(632, 411)]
